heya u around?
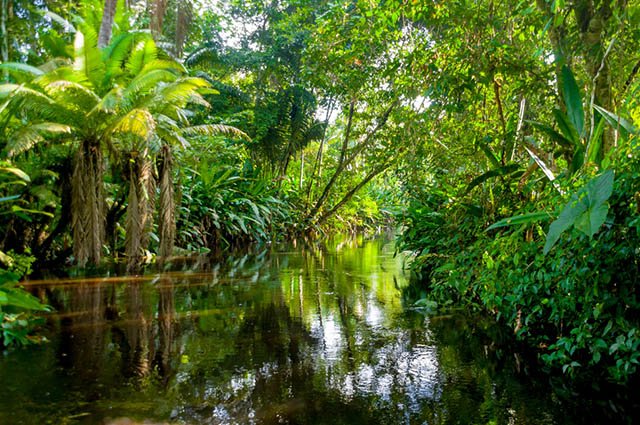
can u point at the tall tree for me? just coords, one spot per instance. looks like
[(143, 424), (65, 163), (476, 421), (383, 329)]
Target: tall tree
[(184, 16), (106, 26), (158, 9)]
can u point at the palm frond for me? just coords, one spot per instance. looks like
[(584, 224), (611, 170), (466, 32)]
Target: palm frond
[(8, 89), (147, 82), (197, 99), (215, 130), (75, 92), (22, 140), (144, 52), (68, 26), (115, 54), (109, 102), (6, 168), (87, 58), (66, 73), (21, 71), (203, 56), (169, 65), (139, 122), (28, 136), (182, 92), (55, 63), (169, 131), (40, 107)]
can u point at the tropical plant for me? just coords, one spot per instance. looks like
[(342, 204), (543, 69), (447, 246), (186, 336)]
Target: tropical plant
[(128, 99)]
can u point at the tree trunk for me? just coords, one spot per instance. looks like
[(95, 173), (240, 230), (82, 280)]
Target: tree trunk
[(341, 164), (301, 169), (87, 204), (158, 9), (183, 19), (106, 26), (346, 160), (167, 216), (139, 209), (4, 45), (317, 166), (593, 23), (347, 197)]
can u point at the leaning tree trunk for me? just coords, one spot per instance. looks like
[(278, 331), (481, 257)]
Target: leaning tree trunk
[(139, 209), (106, 26), (167, 217), (87, 204)]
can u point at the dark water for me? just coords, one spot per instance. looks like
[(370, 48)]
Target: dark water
[(298, 335)]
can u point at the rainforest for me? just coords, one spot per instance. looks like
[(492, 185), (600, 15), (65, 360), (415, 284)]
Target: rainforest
[(310, 212)]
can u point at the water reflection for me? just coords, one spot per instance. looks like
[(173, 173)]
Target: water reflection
[(312, 335)]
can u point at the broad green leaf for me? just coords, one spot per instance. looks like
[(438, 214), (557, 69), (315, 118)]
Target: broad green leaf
[(19, 298), (625, 127), (21, 68), (578, 159), (599, 189), (555, 136), (484, 146), (573, 100), (591, 220), (566, 126), (520, 219), (565, 220), (586, 210), (5, 259), (501, 171), (595, 143)]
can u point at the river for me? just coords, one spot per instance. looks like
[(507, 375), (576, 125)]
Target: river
[(292, 334)]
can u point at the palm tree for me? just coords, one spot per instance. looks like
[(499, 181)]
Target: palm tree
[(128, 99)]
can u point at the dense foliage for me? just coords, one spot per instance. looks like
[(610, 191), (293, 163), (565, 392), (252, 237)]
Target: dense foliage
[(502, 136)]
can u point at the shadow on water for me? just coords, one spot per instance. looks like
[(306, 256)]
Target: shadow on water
[(307, 334)]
